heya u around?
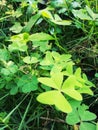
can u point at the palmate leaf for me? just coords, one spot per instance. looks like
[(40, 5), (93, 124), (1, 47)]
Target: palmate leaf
[(87, 126), (48, 60), (55, 81), (85, 115), (4, 55), (47, 81), (73, 118), (71, 82), (68, 88), (30, 60), (73, 93), (27, 83), (55, 98), (57, 78), (85, 89)]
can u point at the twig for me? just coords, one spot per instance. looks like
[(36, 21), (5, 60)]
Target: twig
[(54, 120)]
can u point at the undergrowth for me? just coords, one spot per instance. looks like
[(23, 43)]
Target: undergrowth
[(48, 65)]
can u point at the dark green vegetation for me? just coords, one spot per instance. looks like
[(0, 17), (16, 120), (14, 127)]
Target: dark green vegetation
[(48, 65)]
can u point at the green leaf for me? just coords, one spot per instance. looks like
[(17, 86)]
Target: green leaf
[(87, 126), (5, 71), (40, 37), (22, 38), (47, 97), (57, 78), (43, 45), (55, 98), (55, 81), (78, 72), (71, 82), (96, 75), (72, 118), (14, 90), (31, 23), (62, 104), (16, 28), (46, 13), (48, 60), (4, 55), (19, 42), (48, 81), (69, 68), (90, 12), (62, 22), (85, 89), (82, 14), (56, 56), (27, 83), (86, 115), (72, 93), (17, 47), (10, 68), (30, 60)]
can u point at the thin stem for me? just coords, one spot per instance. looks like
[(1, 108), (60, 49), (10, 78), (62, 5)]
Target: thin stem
[(21, 123)]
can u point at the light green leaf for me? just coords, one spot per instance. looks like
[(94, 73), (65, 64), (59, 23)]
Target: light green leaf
[(62, 22), (22, 38), (78, 72), (30, 60), (82, 14), (31, 23), (9, 69), (70, 83), (55, 98), (46, 13), (69, 68), (4, 55), (55, 81), (48, 81), (40, 37), (72, 118), (91, 13), (48, 60), (57, 78), (43, 45), (96, 75), (72, 93), (47, 97), (87, 126), (5, 71), (86, 115), (85, 89), (17, 47), (56, 56), (16, 28), (27, 83), (14, 90), (62, 104), (66, 58)]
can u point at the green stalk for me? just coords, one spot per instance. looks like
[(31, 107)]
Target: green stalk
[(24, 116), (7, 117)]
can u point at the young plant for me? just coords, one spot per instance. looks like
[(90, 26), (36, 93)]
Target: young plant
[(63, 89), (81, 117)]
